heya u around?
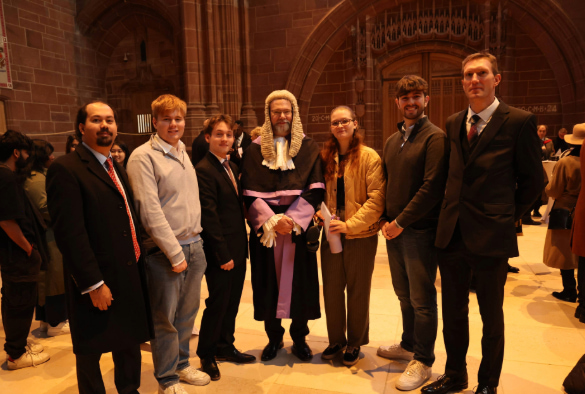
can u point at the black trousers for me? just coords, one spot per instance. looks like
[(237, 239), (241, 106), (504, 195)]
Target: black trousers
[(218, 323), (299, 329), (126, 371), (18, 306), (456, 264), (581, 281)]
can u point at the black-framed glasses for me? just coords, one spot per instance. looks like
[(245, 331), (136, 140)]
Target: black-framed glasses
[(342, 122)]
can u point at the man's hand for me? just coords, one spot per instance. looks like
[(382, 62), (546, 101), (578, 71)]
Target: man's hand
[(228, 266), (337, 226), (319, 218), (390, 230), (284, 226), (101, 297), (181, 267)]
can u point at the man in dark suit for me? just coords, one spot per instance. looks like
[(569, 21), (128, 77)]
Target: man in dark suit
[(96, 230), (494, 177), (225, 246), (241, 142)]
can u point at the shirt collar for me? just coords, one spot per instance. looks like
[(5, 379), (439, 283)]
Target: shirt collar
[(487, 113), (168, 148), (101, 158), (221, 160)]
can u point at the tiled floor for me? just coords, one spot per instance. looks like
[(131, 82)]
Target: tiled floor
[(543, 342)]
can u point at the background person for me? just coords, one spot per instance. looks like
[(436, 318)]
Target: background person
[(564, 187), (120, 152), (355, 193), (21, 255), (559, 141), (51, 307), (71, 143)]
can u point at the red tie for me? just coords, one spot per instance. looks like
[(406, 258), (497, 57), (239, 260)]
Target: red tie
[(473, 129), (115, 180), (226, 164)]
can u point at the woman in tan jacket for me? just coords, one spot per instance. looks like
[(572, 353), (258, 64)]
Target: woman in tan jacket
[(355, 194), (564, 187)]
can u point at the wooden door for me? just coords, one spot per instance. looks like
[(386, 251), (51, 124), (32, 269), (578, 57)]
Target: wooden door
[(443, 74)]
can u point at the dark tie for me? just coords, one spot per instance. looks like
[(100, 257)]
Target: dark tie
[(226, 164), (119, 187), (472, 135)]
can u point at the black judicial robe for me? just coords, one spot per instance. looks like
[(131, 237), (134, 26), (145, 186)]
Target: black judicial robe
[(297, 193)]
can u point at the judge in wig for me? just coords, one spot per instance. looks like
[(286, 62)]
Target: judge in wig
[(283, 184)]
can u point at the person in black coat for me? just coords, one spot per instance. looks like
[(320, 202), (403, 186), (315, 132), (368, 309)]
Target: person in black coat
[(225, 246), (241, 142), (494, 178), (96, 229)]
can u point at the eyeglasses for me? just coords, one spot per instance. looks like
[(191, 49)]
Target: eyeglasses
[(342, 122), (280, 113)]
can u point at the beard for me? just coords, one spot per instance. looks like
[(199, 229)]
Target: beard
[(20, 163), (419, 111), (105, 140), (282, 129)]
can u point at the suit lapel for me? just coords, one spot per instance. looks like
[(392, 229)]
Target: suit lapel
[(456, 133), (490, 130), (214, 160), (94, 166)]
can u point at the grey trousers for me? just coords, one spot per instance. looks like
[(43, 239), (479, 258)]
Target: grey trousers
[(351, 269)]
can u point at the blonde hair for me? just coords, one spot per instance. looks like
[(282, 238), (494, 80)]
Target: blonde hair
[(255, 133), (167, 102)]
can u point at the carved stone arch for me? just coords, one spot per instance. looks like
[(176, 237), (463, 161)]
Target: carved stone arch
[(553, 32), (94, 11)]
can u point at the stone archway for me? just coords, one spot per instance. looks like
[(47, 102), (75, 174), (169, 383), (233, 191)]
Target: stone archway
[(543, 20)]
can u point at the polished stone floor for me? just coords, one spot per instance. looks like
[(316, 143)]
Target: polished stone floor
[(543, 342)]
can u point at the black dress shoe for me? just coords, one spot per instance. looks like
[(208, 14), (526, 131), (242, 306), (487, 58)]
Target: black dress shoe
[(530, 222), (580, 313), (235, 356), (270, 350), (486, 390), (568, 296), (302, 351), (513, 269), (209, 366), (332, 351), (351, 356), (444, 384)]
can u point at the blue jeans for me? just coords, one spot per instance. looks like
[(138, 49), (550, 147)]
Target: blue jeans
[(413, 266), (174, 300)]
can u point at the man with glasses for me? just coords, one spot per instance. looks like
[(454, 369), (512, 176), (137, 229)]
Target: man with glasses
[(282, 185), (416, 167)]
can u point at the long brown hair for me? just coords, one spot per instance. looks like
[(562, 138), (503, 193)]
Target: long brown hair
[(331, 148)]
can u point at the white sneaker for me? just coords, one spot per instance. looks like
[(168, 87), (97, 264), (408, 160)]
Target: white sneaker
[(34, 347), (415, 375), (395, 352), (28, 359), (174, 389), (60, 329), (193, 376)]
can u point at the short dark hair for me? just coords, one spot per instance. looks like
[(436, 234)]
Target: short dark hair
[(542, 125), (214, 120), (481, 55), (13, 140), (124, 147), (239, 123), (411, 83), (69, 143), (40, 152), (82, 117)]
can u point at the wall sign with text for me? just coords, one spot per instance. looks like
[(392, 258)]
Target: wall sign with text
[(5, 79), (540, 109), (319, 118)]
